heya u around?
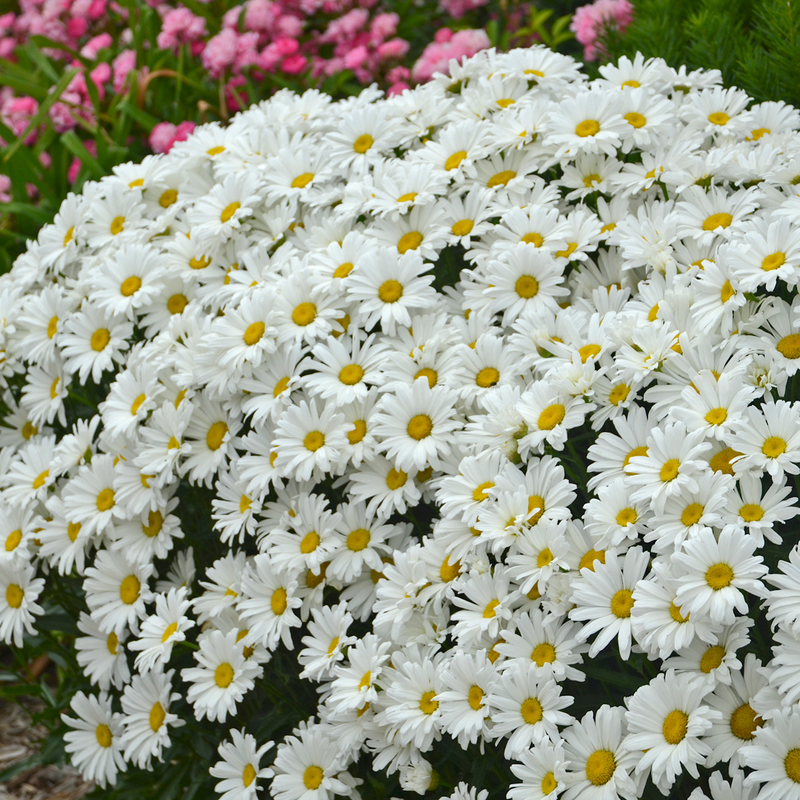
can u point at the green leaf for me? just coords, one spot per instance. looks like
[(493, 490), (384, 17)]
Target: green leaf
[(41, 114), (71, 141)]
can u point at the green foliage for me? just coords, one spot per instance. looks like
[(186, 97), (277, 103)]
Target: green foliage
[(752, 42)]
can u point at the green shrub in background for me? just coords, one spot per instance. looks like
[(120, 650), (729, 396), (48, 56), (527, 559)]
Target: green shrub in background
[(754, 43)]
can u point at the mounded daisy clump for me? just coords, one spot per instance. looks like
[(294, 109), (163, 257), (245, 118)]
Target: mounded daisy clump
[(380, 444)]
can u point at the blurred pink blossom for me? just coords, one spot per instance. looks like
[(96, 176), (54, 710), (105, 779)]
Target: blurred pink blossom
[(179, 26), (457, 8), (165, 134), (436, 56), (590, 20)]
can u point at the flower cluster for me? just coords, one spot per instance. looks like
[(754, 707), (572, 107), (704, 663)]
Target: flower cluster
[(590, 21), (489, 389)]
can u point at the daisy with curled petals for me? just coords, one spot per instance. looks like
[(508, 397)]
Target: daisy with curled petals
[(548, 416), (307, 766), (387, 286), (774, 757), (210, 432), (384, 487), (116, 591), (362, 541), (225, 207), (131, 280), (542, 771), (769, 438), (28, 479), (719, 789), (612, 518), (461, 496), (415, 424), (666, 719), (162, 630), (714, 573), (589, 122), (355, 683), (308, 442), (305, 313), (268, 602), (239, 767), (603, 598), (327, 640), (465, 711), (598, 766), (19, 591), (95, 743), (89, 498), (739, 721), (93, 341), (101, 655), (767, 251), (672, 462), (487, 603), (704, 215), (222, 678), (748, 507), (524, 279), (527, 708), (147, 718)]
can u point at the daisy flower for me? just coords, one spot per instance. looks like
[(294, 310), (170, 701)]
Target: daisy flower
[(774, 757), (101, 655), (326, 642), (666, 719), (222, 678), (239, 766), (465, 711), (769, 438), (542, 772), (95, 743), (589, 122), (162, 630), (19, 591)]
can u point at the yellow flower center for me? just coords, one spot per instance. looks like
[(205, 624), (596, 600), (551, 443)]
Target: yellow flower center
[(726, 292), (155, 521), (718, 118), (627, 516), (420, 427), (712, 658), (396, 478), (216, 433), (526, 286), (691, 514), (229, 211), (675, 725), (281, 386), (481, 492), (551, 416), (721, 462), (589, 557), (721, 220), (750, 512), (168, 198), (278, 601), (619, 394), (177, 303), (501, 178), (409, 241), (773, 447), (100, 338), (635, 119), (52, 327), (756, 134), (675, 613), (301, 181), (29, 430), (365, 681), (215, 151), (591, 179), (491, 609), (544, 558), (716, 416), (112, 642), (170, 629), (622, 603), (600, 767), (130, 286), (358, 539), (157, 716), (351, 374), (54, 388), (475, 697), (73, 529), (105, 500), (487, 377), (68, 236), (589, 351), (248, 775), (103, 734), (532, 711), (304, 314), (427, 705), (223, 675), (549, 783), (314, 440), (312, 777), (744, 722), (253, 333), (463, 227), (363, 143), (199, 263), (789, 346), (117, 224), (449, 572), (589, 127), (309, 543), (719, 576), (430, 374), (14, 595), (773, 261), (533, 238), (792, 765), (39, 480), (343, 270), (670, 470), (543, 653), (358, 433), (408, 197), (390, 291), (455, 160)]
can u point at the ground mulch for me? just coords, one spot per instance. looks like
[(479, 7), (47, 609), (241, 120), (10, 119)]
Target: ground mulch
[(19, 739)]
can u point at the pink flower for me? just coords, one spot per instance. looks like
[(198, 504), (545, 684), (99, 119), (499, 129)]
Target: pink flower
[(96, 9), (384, 25), (589, 21), (457, 8), (95, 45), (100, 75), (123, 64), (72, 172), (356, 57), (286, 47), (294, 65), (393, 49), (76, 27), (17, 113), (179, 26), (345, 27), (397, 74), (443, 35), (165, 134), (220, 52), (5, 189), (436, 56), (397, 88)]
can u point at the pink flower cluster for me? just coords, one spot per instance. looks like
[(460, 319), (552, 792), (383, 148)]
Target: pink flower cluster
[(446, 45), (590, 20), (457, 8)]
